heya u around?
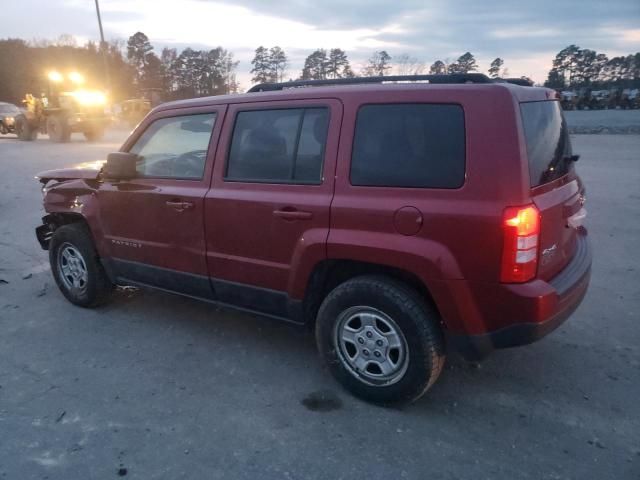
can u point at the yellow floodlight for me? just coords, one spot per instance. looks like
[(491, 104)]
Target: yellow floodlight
[(55, 76), (90, 97), (76, 78)]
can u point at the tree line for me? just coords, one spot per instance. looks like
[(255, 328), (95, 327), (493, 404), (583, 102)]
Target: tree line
[(269, 65), (575, 67), (135, 69), (190, 73)]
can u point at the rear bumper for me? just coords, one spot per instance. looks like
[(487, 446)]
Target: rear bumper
[(544, 306)]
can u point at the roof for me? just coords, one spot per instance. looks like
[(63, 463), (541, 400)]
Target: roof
[(342, 89)]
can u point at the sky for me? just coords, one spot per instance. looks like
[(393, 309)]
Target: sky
[(526, 34)]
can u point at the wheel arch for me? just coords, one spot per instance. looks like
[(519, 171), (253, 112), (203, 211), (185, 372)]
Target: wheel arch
[(53, 221), (329, 273)]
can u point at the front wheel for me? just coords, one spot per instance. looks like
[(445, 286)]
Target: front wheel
[(380, 340), (76, 267), (94, 134), (24, 129)]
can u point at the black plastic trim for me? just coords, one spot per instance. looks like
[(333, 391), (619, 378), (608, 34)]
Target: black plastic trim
[(574, 278), (580, 263), (440, 79), (238, 296), (190, 284), (477, 347), (44, 234)]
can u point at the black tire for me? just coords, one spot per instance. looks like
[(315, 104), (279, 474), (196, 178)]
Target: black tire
[(97, 287), (58, 129), (3, 129), (24, 130), (418, 322), (94, 135)]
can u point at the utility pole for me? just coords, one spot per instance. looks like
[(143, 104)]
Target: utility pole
[(103, 47)]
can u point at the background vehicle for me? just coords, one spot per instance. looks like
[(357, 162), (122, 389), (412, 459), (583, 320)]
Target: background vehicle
[(587, 99), (134, 110), (386, 216), (63, 112), (8, 113), (568, 99), (630, 98)]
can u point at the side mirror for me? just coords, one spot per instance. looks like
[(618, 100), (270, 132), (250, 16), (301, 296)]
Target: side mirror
[(121, 166)]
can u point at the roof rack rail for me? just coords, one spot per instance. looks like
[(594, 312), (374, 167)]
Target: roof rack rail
[(523, 82), (441, 79)]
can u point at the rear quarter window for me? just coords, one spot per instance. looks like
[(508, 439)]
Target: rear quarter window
[(548, 142), (409, 145)]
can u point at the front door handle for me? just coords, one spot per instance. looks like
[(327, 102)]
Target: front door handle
[(287, 214), (179, 205)]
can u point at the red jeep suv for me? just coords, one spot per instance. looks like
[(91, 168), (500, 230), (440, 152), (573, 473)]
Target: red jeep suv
[(401, 217)]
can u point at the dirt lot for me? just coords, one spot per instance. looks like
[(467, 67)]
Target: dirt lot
[(604, 121), (155, 386)]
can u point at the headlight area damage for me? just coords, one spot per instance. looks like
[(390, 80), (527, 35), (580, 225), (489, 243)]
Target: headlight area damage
[(65, 193)]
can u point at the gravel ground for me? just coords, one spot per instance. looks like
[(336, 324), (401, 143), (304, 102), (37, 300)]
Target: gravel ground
[(154, 386), (603, 121)]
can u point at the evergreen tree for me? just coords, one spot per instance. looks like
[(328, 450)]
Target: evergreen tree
[(338, 64), (138, 49), (278, 63), (262, 69), (494, 69), (466, 63), (438, 68), (315, 66)]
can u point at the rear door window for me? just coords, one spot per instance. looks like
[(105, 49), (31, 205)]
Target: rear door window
[(409, 145), (278, 146), (548, 142)]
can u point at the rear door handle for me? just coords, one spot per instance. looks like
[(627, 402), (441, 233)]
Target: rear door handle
[(179, 205), (292, 214)]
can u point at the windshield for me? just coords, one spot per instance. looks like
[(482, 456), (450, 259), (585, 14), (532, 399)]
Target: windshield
[(548, 142)]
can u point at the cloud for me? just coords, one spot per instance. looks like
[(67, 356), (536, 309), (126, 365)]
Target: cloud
[(526, 34)]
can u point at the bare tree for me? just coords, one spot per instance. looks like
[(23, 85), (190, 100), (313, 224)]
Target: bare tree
[(407, 65), (379, 63)]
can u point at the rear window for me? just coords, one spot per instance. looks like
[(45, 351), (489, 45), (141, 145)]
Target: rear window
[(409, 145), (548, 143)]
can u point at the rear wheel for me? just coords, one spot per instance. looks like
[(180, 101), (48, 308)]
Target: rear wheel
[(3, 129), (380, 340), (58, 129), (76, 266)]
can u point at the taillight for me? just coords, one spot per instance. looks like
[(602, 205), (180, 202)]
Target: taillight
[(521, 227)]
